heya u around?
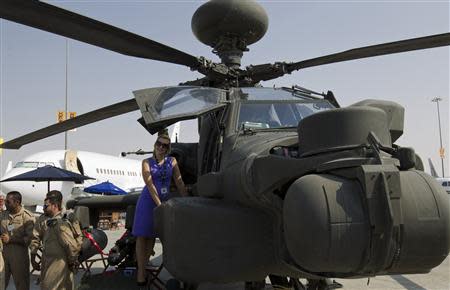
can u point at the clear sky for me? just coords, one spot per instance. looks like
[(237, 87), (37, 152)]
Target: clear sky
[(32, 75)]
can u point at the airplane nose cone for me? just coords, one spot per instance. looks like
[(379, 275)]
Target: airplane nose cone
[(28, 189), (9, 186), (3, 189)]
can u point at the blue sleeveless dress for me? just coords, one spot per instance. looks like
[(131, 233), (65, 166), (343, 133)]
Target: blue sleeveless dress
[(143, 217)]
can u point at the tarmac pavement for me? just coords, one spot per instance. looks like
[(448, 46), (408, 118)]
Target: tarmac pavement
[(437, 279)]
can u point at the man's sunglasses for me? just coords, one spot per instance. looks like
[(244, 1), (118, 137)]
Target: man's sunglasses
[(163, 145)]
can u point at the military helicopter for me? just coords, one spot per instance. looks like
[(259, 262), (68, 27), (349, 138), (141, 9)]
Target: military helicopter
[(271, 194)]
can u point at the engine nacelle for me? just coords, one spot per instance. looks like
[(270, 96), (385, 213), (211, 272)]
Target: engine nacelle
[(227, 241), (342, 227)]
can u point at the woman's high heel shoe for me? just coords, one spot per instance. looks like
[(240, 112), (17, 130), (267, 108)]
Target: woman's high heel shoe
[(143, 283)]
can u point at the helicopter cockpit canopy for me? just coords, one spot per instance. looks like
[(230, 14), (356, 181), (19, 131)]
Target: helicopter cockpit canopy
[(161, 107), (267, 108), (260, 108)]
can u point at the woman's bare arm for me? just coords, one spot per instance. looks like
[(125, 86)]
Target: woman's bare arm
[(146, 175), (177, 178)]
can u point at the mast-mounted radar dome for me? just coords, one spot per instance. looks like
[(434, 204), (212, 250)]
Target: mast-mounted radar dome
[(229, 26)]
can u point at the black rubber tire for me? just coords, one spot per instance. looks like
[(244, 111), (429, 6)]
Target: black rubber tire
[(173, 284), (189, 286), (255, 285)]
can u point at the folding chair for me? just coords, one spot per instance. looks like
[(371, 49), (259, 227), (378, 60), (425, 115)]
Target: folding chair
[(153, 276), (87, 264), (152, 271), (82, 215), (39, 259)]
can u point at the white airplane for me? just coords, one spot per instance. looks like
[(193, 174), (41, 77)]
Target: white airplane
[(123, 172), (444, 181)]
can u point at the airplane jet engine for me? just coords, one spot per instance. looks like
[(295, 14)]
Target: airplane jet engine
[(342, 203)]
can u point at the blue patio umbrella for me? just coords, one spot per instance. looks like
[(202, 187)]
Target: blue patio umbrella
[(48, 173), (106, 188)]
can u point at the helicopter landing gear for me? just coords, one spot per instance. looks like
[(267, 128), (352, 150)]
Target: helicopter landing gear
[(322, 284), (297, 285), (255, 285), (174, 284)]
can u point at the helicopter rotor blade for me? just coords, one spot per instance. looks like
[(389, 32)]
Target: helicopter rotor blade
[(72, 25), (420, 43), (265, 72), (84, 119)]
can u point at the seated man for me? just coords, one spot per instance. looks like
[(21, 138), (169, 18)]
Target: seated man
[(259, 116)]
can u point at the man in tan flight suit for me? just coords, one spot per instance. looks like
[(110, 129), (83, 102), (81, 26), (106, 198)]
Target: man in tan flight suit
[(2, 202), (61, 246), (16, 229), (2, 268), (40, 226), (2, 263)]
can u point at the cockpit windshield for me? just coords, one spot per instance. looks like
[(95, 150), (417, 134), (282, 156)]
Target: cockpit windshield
[(267, 115), (32, 164)]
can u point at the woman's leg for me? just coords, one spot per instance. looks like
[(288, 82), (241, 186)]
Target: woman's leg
[(144, 248), (140, 258)]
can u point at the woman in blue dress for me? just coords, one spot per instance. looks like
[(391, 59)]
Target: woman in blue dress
[(157, 172)]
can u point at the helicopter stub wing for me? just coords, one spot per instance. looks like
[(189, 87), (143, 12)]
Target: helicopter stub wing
[(81, 120), (72, 25), (271, 71)]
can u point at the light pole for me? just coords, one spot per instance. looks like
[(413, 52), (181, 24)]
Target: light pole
[(65, 104), (441, 150)]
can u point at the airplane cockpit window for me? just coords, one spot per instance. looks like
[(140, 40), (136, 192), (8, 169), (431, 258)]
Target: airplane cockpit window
[(26, 164), (42, 164), (267, 115)]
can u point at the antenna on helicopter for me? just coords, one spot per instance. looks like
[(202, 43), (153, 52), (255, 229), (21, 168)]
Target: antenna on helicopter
[(138, 152), (175, 132)]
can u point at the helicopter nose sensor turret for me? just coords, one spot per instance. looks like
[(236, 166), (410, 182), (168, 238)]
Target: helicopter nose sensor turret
[(229, 26)]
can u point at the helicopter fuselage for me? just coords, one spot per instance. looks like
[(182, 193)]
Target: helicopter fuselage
[(272, 198)]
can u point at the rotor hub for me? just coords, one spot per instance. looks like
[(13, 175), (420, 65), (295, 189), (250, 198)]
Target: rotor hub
[(229, 26)]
